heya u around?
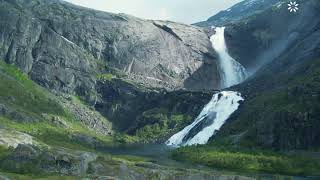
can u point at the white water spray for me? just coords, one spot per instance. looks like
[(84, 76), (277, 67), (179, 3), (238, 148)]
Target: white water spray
[(222, 104), (211, 118), (231, 71)]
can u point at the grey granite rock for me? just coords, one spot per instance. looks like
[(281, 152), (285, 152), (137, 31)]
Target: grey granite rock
[(32, 159), (63, 47)]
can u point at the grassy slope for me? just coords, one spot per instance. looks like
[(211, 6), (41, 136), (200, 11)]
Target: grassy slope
[(18, 92), (24, 97)]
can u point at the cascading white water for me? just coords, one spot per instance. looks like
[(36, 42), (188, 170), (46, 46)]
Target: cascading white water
[(231, 71), (211, 118), (222, 104)]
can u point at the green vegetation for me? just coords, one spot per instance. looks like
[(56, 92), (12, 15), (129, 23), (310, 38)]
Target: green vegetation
[(154, 123), (4, 152), (18, 92), (179, 120), (26, 98), (248, 161), (121, 138), (290, 110), (48, 122), (108, 77), (151, 131), (56, 136), (157, 122)]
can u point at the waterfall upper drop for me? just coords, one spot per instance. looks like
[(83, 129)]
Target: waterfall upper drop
[(231, 71), (211, 118)]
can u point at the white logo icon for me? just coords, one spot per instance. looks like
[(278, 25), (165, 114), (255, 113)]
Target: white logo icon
[(293, 6)]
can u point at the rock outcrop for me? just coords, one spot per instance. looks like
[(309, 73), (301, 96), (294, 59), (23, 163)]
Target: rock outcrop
[(86, 115), (11, 138), (32, 159)]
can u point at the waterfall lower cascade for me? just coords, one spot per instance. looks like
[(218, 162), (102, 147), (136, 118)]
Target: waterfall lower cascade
[(211, 118), (222, 104)]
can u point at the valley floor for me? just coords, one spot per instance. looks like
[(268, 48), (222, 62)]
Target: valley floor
[(251, 160), (40, 138)]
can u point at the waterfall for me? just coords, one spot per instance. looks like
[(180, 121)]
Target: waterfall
[(231, 71), (211, 118), (222, 104)]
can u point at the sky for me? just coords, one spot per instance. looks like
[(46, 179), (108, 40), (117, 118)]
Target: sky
[(185, 11)]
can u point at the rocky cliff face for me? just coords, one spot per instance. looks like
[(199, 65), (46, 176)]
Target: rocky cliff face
[(63, 47), (269, 34), (153, 114)]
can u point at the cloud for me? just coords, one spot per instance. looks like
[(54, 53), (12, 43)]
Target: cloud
[(186, 11)]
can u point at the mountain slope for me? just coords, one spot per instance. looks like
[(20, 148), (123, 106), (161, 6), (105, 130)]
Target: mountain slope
[(63, 47), (281, 50)]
